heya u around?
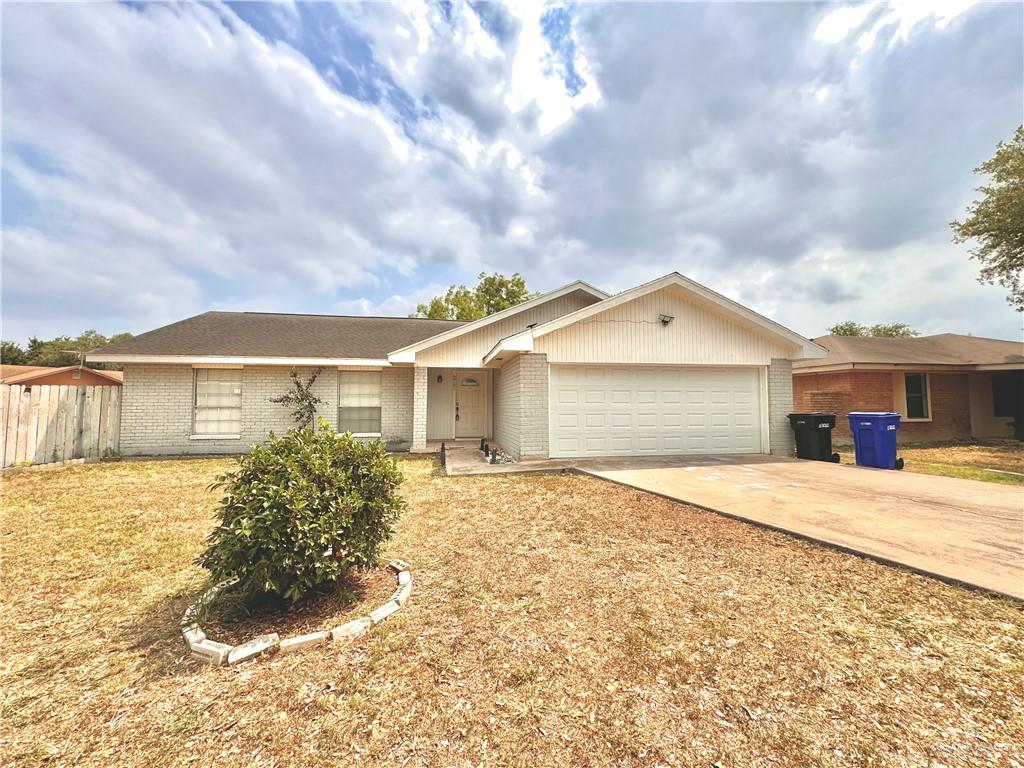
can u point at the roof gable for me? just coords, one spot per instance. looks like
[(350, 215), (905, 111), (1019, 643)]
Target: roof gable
[(407, 354), (739, 312)]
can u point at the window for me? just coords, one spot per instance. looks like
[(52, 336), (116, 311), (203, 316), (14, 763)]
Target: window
[(359, 402), (917, 395), (1008, 394), (218, 401)]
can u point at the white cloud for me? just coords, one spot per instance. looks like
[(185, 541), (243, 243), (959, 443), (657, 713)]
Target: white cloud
[(168, 159)]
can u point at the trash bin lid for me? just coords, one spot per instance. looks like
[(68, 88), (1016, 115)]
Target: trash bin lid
[(873, 414)]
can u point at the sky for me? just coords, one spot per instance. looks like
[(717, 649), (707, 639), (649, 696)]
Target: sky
[(162, 160)]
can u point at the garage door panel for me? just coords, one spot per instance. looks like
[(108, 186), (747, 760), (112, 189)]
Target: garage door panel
[(644, 410)]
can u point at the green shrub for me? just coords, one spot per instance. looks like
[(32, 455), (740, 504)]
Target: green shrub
[(301, 510)]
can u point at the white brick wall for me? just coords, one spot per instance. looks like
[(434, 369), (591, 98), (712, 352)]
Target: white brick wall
[(396, 408), (156, 415), (533, 376), (780, 405), (419, 407), (507, 407), (521, 407)]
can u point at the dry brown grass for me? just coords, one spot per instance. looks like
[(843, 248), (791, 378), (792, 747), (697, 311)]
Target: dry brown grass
[(996, 461), (555, 620)]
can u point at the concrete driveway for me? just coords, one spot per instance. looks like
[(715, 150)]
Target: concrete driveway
[(963, 530)]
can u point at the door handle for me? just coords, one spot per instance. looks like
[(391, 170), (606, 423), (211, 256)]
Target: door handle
[(456, 411)]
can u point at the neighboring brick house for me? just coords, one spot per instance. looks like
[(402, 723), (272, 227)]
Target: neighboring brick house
[(668, 367), (947, 387)]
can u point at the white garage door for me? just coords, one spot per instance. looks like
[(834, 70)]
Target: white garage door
[(641, 410)]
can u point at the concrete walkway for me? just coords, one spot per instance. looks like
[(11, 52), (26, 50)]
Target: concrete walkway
[(960, 530)]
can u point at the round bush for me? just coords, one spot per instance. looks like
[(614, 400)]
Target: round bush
[(301, 510)]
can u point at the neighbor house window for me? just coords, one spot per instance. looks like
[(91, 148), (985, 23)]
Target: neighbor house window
[(218, 401), (359, 402), (917, 395)]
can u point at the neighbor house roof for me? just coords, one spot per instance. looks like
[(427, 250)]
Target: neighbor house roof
[(297, 339), (26, 374), (944, 349)]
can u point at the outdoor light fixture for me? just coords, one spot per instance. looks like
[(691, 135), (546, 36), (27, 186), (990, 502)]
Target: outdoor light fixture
[(440, 379), (665, 319)]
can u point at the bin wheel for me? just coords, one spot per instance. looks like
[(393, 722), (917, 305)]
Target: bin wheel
[(899, 463), (834, 458)]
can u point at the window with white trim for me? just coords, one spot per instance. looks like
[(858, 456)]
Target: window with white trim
[(218, 401), (916, 386), (359, 402)]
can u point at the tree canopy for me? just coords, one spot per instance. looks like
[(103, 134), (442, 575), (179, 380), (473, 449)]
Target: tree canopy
[(58, 352), (996, 221), (889, 330), (491, 294)]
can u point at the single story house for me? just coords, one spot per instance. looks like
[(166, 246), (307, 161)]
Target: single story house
[(668, 367), (68, 375), (947, 387)]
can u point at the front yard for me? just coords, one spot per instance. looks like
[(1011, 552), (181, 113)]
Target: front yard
[(995, 461), (555, 620)]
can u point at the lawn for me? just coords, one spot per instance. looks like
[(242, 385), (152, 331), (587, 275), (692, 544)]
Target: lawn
[(997, 461), (555, 620)]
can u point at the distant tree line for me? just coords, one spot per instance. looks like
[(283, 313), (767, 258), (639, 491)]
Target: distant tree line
[(58, 352)]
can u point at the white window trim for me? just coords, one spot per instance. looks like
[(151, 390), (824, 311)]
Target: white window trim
[(367, 434), (900, 395), (195, 384)]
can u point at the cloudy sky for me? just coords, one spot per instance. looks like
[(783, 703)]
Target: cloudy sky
[(805, 159)]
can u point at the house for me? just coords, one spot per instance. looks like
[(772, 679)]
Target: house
[(69, 375), (948, 387), (668, 367)]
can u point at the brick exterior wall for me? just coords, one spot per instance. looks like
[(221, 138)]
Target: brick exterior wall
[(507, 407), (396, 410), (156, 415), (951, 411), (521, 407), (780, 405), (533, 381), (419, 407), (844, 391)]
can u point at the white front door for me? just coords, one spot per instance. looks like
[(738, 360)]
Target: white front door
[(633, 410), (469, 404)]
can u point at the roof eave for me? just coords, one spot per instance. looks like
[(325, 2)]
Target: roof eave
[(114, 357)]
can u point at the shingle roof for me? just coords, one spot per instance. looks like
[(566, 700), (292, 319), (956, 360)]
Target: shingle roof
[(264, 334), (941, 349)]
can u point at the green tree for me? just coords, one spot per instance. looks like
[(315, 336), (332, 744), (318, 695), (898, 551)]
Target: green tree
[(492, 293), (887, 330), (996, 221), (11, 353), (64, 350)]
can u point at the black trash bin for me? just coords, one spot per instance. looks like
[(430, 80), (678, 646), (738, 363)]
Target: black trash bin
[(813, 433)]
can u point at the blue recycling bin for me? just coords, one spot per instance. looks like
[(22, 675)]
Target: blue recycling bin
[(874, 437)]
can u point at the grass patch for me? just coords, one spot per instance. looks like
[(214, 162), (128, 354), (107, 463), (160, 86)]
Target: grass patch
[(995, 461), (556, 620)]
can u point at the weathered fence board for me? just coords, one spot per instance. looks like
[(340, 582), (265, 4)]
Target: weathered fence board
[(43, 424)]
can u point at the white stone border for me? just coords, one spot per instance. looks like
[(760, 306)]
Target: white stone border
[(204, 649)]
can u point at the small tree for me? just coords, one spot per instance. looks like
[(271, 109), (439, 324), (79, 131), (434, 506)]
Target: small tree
[(996, 221), (301, 510), (301, 399)]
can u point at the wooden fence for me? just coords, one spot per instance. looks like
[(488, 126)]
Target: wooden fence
[(46, 424)]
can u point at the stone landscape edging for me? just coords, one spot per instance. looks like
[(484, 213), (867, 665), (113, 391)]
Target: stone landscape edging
[(212, 652)]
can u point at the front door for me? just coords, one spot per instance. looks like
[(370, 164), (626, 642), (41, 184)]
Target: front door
[(469, 405)]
